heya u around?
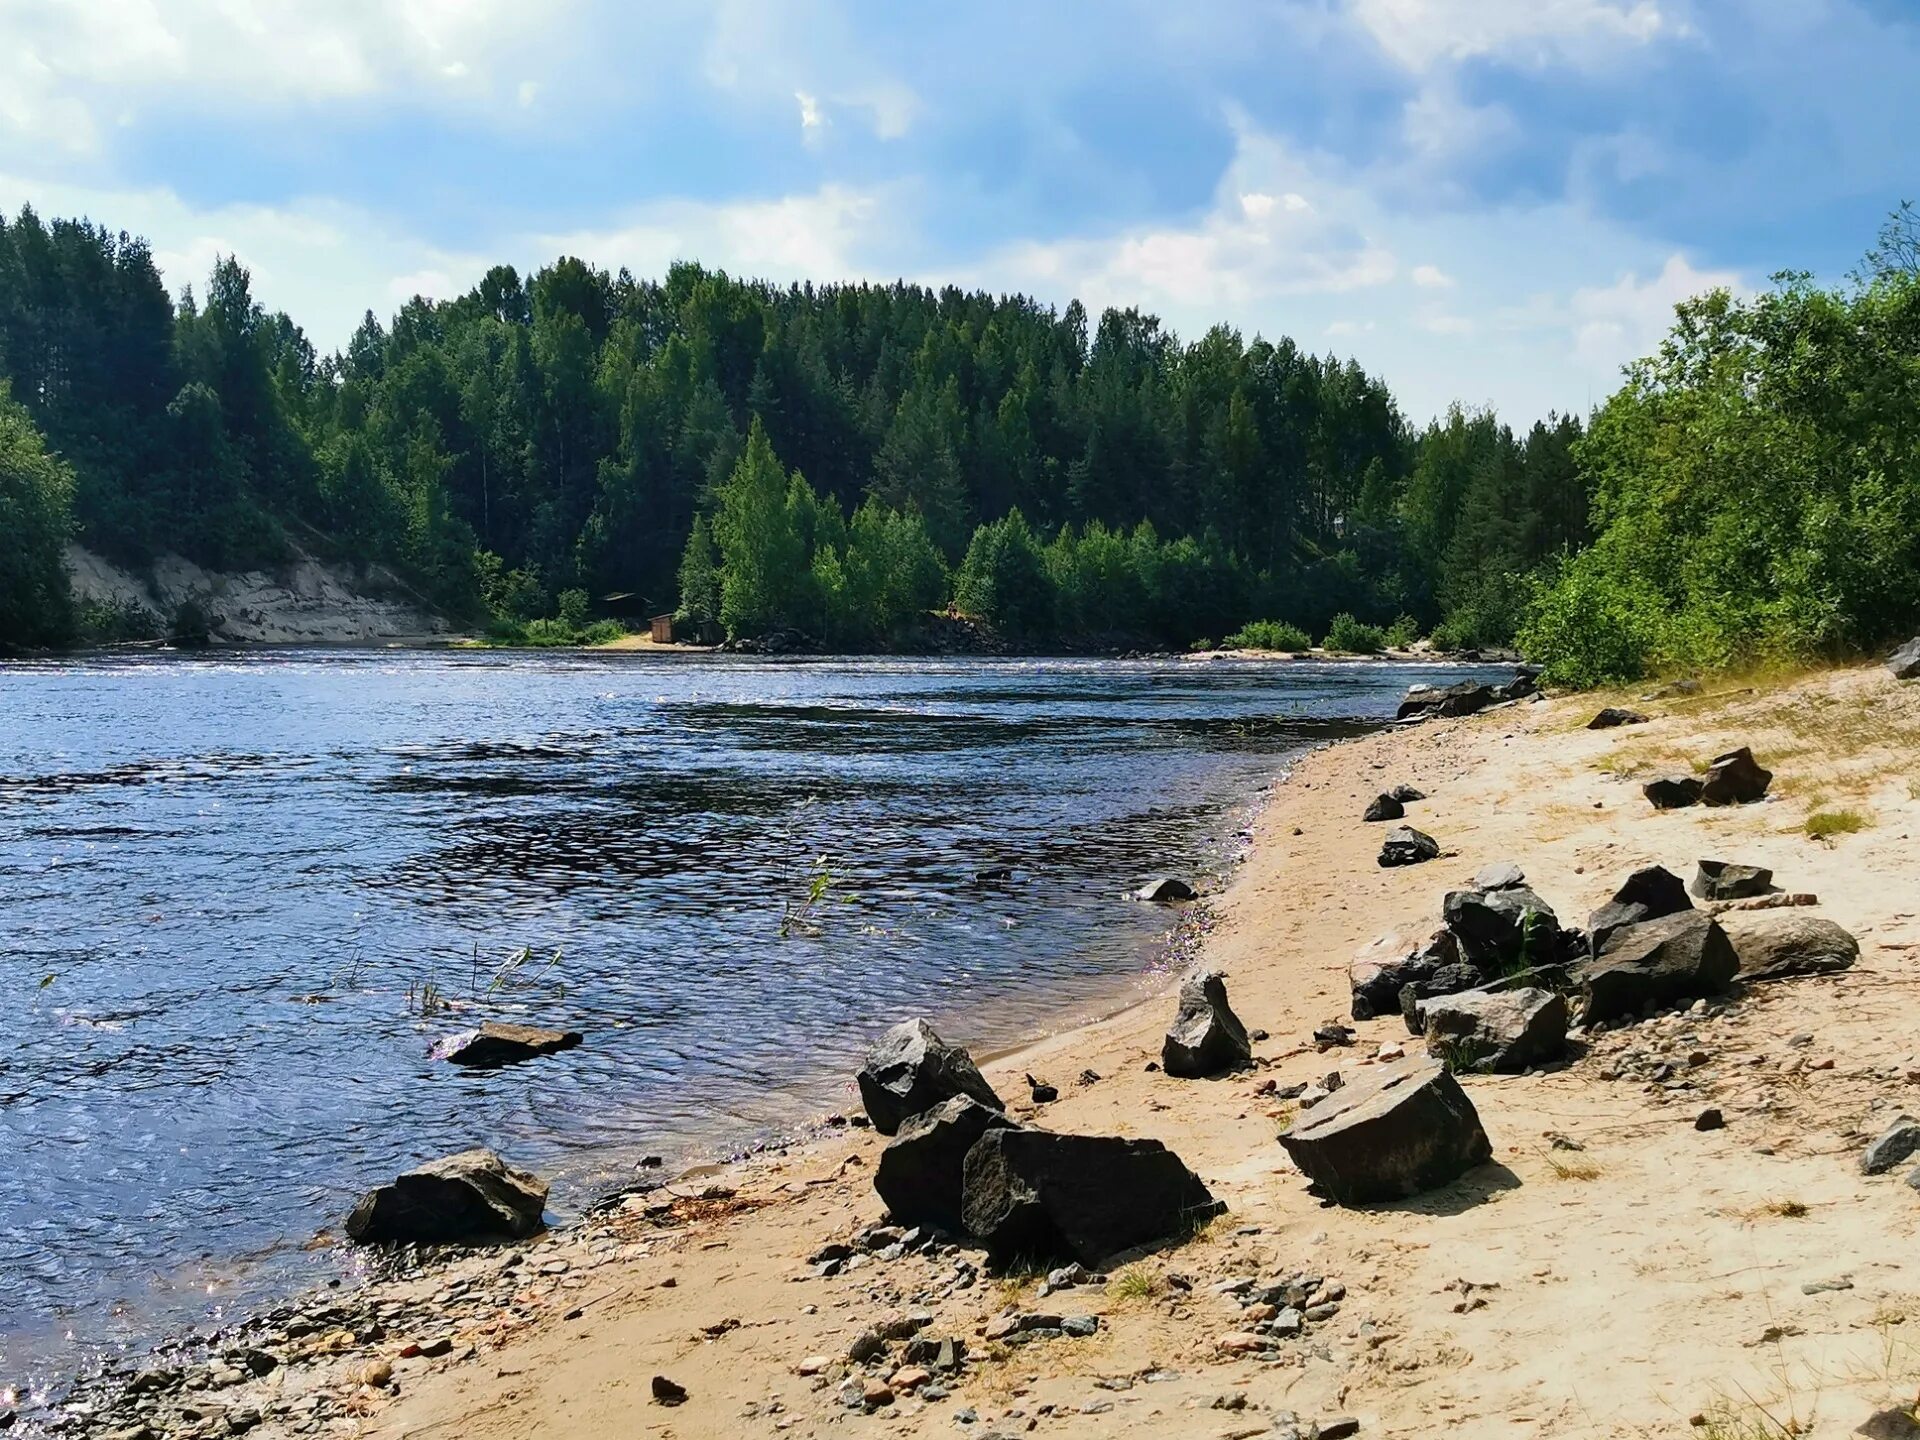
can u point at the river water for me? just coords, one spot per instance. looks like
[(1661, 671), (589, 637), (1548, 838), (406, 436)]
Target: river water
[(233, 884)]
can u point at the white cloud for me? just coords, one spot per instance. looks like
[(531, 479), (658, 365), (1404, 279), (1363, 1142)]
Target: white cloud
[(1420, 34), (1432, 277), (68, 68), (1629, 317), (810, 116)]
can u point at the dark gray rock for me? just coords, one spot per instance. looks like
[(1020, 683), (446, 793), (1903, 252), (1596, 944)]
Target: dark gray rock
[(1779, 944), (1032, 1194), (1502, 1030), (1647, 894), (1499, 928), (1207, 1037), (1897, 1142), (1735, 778), (1526, 683), (1384, 807), (1672, 792), (1390, 1132), (471, 1198), (911, 1069), (1406, 794), (1677, 957), (1379, 972), (1725, 880), (1614, 716), (1167, 890), (1905, 662), (1405, 845), (1465, 698), (498, 1043), (1454, 979), (922, 1172)]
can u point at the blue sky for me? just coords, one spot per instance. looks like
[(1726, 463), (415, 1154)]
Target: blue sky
[(1496, 201)]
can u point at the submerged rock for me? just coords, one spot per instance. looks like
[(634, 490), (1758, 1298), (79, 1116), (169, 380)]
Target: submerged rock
[(1725, 880), (1167, 890), (1405, 845), (921, 1174), (1392, 1131), (498, 1043), (1777, 945), (1647, 894), (1207, 1037), (1677, 957), (911, 1069), (474, 1197), (1033, 1194), (1496, 1029), (1735, 778)]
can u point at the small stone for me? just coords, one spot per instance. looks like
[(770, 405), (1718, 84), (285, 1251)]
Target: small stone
[(908, 1379), (1241, 1342), (1338, 1428), (377, 1373), (1080, 1326), (1288, 1322), (1709, 1119), (867, 1344), (875, 1394), (812, 1365), (668, 1392)]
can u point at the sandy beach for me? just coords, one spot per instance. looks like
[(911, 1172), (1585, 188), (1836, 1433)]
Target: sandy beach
[(1657, 1279)]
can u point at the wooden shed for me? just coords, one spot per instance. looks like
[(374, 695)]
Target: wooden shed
[(661, 627)]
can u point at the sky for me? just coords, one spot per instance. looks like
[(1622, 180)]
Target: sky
[(1495, 202)]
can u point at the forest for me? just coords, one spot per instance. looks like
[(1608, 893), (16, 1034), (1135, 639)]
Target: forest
[(845, 460)]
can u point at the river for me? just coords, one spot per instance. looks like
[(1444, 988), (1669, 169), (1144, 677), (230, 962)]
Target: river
[(246, 892)]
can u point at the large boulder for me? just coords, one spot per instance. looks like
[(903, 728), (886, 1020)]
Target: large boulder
[(1033, 1194), (1725, 880), (1386, 966), (1614, 716), (922, 1173), (1658, 962), (1504, 1030), (1384, 807), (1779, 944), (1391, 1131), (1735, 778), (1672, 792), (471, 1198), (1405, 845), (1905, 662), (1465, 698), (1498, 927), (499, 1042), (1207, 1037), (1647, 894), (911, 1069)]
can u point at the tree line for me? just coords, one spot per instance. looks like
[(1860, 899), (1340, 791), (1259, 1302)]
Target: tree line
[(576, 430), (844, 459)]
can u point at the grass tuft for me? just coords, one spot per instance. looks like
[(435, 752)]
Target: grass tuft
[(1825, 824), (1136, 1282), (1571, 1166)]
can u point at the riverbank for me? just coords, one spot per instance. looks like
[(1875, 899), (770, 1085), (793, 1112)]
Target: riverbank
[(1656, 1274)]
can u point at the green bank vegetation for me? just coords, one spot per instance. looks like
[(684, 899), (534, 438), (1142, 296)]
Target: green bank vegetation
[(846, 460)]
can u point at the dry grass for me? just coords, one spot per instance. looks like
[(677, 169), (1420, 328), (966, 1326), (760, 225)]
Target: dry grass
[(1571, 1166), (1825, 824), (1135, 1283), (1780, 1210)]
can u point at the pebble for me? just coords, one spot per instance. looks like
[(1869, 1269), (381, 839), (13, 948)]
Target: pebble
[(1241, 1342), (876, 1393), (812, 1365), (1709, 1119), (908, 1379)]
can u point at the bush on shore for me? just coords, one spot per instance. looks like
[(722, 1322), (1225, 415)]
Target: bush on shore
[(1349, 637), (1268, 635)]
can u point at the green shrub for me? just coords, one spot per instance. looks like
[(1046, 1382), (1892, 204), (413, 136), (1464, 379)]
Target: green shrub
[(1269, 635), (1348, 636), (1403, 633)]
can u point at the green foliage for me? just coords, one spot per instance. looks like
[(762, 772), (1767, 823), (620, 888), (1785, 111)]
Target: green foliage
[(1757, 490), (1004, 578), (763, 556), (1269, 635), (1403, 633), (107, 622), (1825, 824), (1349, 637), (700, 575), (36, 500)]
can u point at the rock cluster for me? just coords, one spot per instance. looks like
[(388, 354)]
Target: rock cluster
[(1734, 778)]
